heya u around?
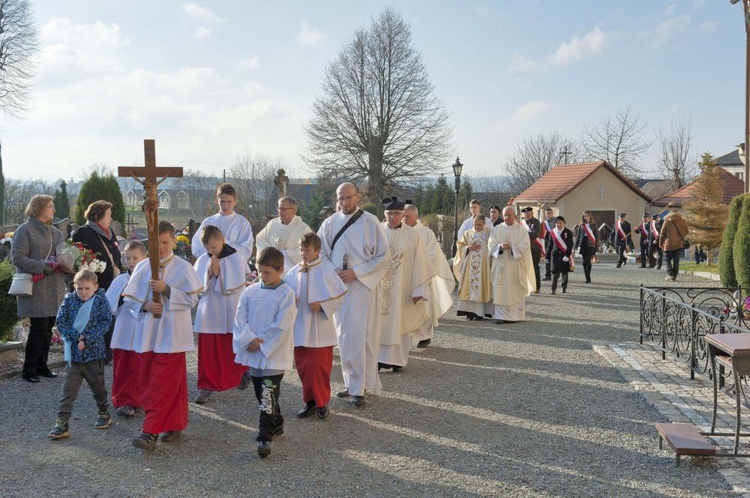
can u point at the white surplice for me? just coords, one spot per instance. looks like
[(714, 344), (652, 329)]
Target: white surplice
[(173, 332), (124, 331), (221, 293), (358, 321), (236, 229), (267, 313), (513, 276), (285, 238), (440, 286), (467, 225), (316, 283), (408, 275)]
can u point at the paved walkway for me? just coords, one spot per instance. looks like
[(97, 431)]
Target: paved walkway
[(666, 385), (563, 404)]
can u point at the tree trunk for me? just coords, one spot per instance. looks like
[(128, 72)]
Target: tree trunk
[(375, 186)]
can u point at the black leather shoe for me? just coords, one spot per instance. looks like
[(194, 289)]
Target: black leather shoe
[(30, 378), (323, 412), (343, 394), (499, 321), (358, 401), (547, 279), (424, 343), (49, 374), (397, 369), (564, 290), (307, 410)]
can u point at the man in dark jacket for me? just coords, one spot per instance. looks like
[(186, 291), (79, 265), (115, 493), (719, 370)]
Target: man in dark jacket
[(621, 239)]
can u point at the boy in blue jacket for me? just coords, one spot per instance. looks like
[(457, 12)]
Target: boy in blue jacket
[(82, 321)]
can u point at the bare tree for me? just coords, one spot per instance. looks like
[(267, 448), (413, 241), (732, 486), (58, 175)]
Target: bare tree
[(18, 193), (675, 154), (535, 156), (18, 44), (618, 140), (253, 179), (378, 119)]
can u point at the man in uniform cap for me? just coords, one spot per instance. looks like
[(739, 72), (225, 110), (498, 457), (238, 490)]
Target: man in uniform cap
[(621, 239), (532, 225), (644, 230)]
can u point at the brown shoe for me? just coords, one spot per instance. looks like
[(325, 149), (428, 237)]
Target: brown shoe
[(170, 436)]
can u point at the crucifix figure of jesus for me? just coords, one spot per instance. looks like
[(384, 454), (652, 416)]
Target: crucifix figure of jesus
[(148, 177)]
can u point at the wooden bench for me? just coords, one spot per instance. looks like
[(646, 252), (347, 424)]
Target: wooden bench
[(685, 439)]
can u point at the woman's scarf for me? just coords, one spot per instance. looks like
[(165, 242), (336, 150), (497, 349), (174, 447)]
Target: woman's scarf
[(98, 228)]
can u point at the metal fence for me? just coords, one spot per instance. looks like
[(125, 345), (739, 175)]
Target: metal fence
[(677, 318)]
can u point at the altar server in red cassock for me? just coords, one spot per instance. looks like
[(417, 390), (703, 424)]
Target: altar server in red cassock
[(319, 292), (126, 363), (163, 341), (222, 269)]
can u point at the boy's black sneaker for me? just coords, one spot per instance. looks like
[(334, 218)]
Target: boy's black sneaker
[(245, 381), (264, 448), (103, 420), (59, 431)]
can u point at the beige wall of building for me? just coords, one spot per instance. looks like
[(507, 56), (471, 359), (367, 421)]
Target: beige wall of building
[(602, 191)]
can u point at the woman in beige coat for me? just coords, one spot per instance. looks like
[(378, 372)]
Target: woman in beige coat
[(672, 240)]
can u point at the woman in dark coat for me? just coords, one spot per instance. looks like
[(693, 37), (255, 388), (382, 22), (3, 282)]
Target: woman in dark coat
[(33, 250), (587, 242), (97, 235), (560, 249)]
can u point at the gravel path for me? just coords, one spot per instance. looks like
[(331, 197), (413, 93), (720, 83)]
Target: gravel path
[(525, 409)]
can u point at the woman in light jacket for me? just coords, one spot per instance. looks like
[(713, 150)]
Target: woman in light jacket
[(33, 249)]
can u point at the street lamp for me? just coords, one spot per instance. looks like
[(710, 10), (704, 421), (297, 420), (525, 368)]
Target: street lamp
[(457, 167), (746, 14)]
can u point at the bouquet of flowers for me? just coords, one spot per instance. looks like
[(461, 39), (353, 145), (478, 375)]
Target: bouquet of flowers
[(73, 256), (183, 246)]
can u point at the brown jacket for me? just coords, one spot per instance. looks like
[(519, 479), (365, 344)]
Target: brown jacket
[(673, 232)]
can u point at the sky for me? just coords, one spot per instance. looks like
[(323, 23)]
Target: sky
[(212, 81)]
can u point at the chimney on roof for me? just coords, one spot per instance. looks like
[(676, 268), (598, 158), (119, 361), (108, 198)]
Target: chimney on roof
[(741, 149)]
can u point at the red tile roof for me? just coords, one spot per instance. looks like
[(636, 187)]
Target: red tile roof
[(561, 179), (730, 186)]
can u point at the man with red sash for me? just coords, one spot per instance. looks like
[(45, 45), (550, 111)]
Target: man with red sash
[(644, 230), (654, 247), (621, 239), (586, 243), (560, 249), (547, 225), (533, 226)]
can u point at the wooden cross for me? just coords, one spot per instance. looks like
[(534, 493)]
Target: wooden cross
[(150, 207)]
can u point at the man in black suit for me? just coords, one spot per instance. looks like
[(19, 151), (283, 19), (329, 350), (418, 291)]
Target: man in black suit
[(532, 225), (547, 225), (622, 240), (654, 247), (644, 230)]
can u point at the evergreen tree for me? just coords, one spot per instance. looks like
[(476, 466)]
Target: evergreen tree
[(418, 198), (466, 193), (741, 250), (707, 214), (427, 199), (100, 185), (324, 196), (62, 204), (726, 256), (443, 198)]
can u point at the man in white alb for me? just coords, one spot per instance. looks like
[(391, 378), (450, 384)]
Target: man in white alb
[(284, 233), (476, 208), (513, 277), (355, 242), (236, 229)]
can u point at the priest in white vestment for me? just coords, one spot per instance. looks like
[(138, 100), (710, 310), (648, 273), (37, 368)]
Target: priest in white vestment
[(440, 286), (513, 277), (235, 227), (404, 289), (475, 207), (472, 269), (359, 251), (284, 232)]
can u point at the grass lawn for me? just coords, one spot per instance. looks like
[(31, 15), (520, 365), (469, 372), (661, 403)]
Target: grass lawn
[(685, 266)]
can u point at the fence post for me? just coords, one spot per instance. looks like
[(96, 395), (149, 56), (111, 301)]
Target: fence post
[(640, 340), (693, 342), (664, 326)]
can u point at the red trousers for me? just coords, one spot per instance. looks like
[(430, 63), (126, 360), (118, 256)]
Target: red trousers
[(126, 378), (164, 392), (314, 369), (217, 370)]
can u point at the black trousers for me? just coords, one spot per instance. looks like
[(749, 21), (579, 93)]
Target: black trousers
[(547, 270), (586, 255), (536, 256), (645, 255), (564, 280), (673, 262), (37, 345), (621, 255), (267, 391)]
